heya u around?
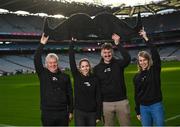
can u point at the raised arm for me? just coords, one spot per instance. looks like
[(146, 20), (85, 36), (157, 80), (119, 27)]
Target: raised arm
[(72, 61), (126, 57), (70, 97), (37, 57), (154, 53)]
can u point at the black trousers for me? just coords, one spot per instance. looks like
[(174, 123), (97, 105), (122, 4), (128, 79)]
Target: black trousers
[(54, 118), (85, 118)]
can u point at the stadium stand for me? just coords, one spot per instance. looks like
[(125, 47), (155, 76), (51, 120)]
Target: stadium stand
[(14, 23), (159, 22), (10, 67), (152, 23), (12, 63), (18, 55)]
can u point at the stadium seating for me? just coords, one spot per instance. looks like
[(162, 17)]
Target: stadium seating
[(12, 63), (153, 23), (158, 23), (11, 23)]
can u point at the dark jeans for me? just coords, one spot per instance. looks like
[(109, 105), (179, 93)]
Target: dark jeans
[(54, 118), (85, 118)]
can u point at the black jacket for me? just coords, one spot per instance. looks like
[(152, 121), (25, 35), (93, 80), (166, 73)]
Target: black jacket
[(147, 83), (55, 88), (86, 89), (111, 77)]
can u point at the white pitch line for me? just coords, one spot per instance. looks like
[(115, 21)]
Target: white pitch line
[(5, 125), (172, 118)]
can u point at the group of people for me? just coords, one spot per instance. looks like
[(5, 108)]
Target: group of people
[(100, 93)]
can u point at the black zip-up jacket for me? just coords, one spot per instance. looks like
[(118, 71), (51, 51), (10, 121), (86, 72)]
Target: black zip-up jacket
[(86, 88), (55, 88), (111, 77), (147, 83)]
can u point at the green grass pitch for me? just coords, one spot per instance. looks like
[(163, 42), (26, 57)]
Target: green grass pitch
[(19, 97)]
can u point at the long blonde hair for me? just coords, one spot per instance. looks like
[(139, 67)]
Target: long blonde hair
[(86, 60), (147, 56)]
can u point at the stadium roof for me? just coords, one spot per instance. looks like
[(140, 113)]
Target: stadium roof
[(92, 7)]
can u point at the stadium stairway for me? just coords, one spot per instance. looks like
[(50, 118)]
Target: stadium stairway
[(173, 52)]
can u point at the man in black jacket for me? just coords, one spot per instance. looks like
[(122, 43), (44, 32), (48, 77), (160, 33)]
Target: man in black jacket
[(55, 89), (110, 72)]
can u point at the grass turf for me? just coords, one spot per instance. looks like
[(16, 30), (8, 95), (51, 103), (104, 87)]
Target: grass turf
[(19, 97)]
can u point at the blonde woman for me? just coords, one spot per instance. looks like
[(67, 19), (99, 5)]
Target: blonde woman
[(147, 82)]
